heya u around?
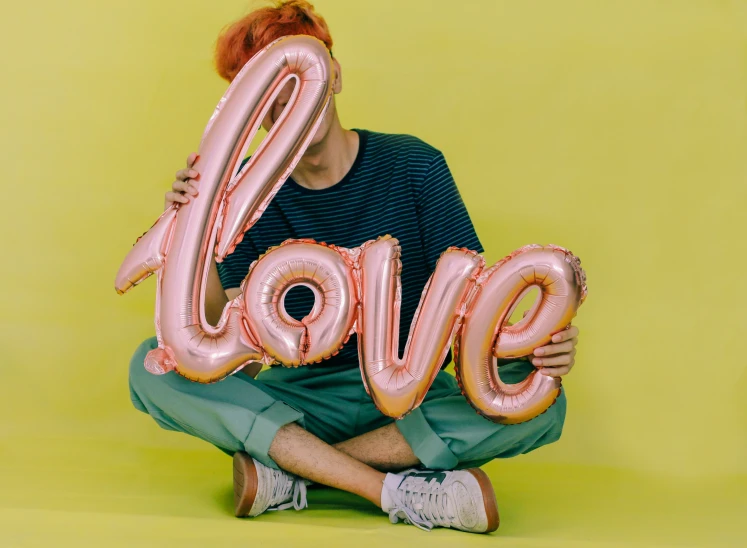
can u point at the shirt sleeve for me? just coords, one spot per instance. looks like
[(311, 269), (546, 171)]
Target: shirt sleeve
[(443, 217)]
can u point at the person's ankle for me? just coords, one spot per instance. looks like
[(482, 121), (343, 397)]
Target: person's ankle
[(390, 484)]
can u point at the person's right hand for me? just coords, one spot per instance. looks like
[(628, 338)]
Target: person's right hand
[(185, 184)]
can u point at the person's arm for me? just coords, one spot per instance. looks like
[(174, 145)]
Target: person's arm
[(229, 274), (215, 296)]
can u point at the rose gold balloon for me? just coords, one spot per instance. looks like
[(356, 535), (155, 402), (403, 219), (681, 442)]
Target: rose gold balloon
[(324, 269), (360, 284), (187, 342), (148, 253), (562, 285), (396, 385)]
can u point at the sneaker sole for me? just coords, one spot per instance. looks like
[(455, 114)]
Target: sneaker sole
[(244, 484), (488, 497)]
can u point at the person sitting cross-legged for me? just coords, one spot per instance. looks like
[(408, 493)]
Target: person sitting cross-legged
[(287, 426)]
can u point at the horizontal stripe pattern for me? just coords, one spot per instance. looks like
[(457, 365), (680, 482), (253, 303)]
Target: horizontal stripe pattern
[(398, 185)]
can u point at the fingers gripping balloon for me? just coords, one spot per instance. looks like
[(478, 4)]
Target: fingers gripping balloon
[(356, 290)]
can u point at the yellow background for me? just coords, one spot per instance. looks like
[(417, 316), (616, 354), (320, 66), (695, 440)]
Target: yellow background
[(616, 129)]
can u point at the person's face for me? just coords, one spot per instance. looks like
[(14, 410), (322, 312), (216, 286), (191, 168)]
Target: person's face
[(284, 97)]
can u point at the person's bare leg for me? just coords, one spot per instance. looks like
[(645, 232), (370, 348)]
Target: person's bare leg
[(384, 449), (297, 451)]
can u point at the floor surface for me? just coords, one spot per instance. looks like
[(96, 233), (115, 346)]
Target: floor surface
[(87, 492)]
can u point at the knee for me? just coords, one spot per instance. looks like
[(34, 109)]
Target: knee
[(138, 376), (553, 420)]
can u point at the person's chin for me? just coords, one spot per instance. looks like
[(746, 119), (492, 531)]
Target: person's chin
[(317, 140)]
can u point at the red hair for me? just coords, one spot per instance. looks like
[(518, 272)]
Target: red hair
[(241, 40)]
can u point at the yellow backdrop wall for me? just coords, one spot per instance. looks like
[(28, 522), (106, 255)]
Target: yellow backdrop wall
[(616, 129)]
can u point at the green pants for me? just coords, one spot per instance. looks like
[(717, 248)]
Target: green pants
[(244, 414)]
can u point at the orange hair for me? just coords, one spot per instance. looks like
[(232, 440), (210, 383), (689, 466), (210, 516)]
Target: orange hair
[(241, 40)]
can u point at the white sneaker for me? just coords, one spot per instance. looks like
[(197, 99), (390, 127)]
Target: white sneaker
[(257, 488), (461, 499)]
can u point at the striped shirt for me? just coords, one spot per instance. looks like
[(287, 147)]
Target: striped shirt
[(397, 185)]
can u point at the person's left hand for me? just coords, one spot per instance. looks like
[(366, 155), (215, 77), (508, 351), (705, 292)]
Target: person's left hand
[(557, 358)]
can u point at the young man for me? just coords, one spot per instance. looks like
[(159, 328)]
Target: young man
[(316, 422)]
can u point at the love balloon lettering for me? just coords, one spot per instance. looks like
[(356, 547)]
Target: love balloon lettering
[(356, 290)]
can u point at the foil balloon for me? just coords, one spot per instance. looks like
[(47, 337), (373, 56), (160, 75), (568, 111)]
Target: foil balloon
[(396, 385), (356, 290), (178, 246), (485, 335), (327, 271)]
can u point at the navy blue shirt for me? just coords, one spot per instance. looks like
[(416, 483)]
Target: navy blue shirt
[(397, 185)]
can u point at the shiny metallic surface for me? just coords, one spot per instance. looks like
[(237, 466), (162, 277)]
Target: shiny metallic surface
[(329, 324), (396, 385), (229, 204), (148, 254), (357, 290), (485, 336)]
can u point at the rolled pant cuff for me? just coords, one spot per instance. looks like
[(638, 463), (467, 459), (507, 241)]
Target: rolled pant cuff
[(430, 449), (265, 427)]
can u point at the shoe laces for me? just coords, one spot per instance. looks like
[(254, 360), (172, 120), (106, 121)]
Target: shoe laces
[(283, 485), (424, 504)]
